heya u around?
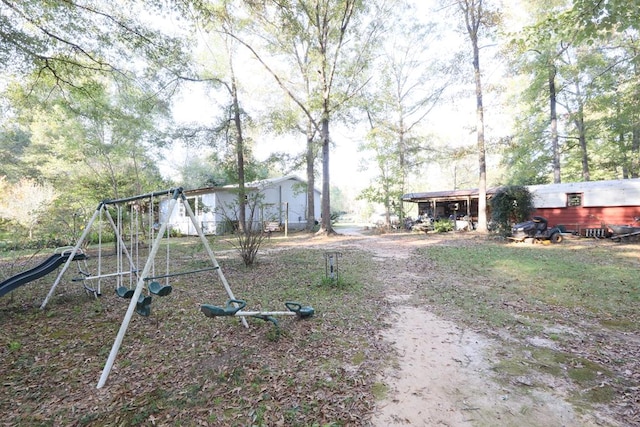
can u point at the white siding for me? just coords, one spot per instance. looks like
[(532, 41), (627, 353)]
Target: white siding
[(624, 192), (280, 197)]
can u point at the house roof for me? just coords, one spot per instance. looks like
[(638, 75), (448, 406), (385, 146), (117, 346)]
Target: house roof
[(255, 185), (446, 195), (274, 181)]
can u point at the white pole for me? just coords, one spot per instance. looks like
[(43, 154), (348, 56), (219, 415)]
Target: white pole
[(264, 313), (121, 243), (134, 298), (205, 242), (73, 254)]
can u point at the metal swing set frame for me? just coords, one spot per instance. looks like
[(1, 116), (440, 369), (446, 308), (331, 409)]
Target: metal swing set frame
[(177, 196), (139, 302)]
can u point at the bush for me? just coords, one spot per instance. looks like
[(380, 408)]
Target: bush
[(443, 225), (510, 205)]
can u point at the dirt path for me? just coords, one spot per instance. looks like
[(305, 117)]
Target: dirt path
[(443, 373)]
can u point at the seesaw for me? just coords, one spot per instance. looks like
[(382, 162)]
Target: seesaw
[(234, 308)]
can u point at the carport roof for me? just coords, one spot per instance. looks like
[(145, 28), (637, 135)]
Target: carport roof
[(447, 195)]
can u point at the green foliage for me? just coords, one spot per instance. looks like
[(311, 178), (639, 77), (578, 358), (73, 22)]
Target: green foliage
[(511, 205), (443, 225), (64, 42), (402, 94)]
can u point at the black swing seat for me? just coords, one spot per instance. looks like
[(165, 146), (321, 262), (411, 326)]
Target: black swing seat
[(229, 310), (143, 306), (124, 292), (158, 289)]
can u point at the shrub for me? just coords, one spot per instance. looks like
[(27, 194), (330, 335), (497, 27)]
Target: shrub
[(510, 205), (443, 225)]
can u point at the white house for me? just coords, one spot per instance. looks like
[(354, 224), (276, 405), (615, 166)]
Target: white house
[(282, 200)]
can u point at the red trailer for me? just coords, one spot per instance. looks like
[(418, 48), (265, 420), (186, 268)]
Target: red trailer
[(589, 208)]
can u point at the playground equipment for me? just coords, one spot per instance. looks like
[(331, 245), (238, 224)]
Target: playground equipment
[(234, 308), (147, 279), (60, 256)]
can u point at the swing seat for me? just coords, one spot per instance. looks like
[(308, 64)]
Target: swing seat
[(158, 289), (143, 306), (124, 292), (229, 310), (301, 311)]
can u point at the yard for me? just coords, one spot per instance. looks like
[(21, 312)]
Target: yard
[(452, 328)]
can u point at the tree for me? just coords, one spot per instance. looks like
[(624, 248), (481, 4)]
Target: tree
[(538, 51), (511, 205), (65, 41), (292, 43), (478, 21), (223, 21), (585, 76), (337, 52), (600, 19), (402, 93), (25, 202), (89, 142)]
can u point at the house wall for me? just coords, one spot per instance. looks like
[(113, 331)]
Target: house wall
[(287, 200), (602, 202), (624, 192), (282, 200), (579, 218)]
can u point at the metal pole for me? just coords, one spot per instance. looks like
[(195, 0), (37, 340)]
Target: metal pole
[(205, 242), (73, 254), (136, 294)]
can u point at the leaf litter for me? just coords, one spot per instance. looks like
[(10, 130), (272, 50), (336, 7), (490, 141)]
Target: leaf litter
[(373, 332)]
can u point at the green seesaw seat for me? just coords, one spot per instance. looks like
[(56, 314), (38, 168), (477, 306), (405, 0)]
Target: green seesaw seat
[(232, 307), (301, 311)]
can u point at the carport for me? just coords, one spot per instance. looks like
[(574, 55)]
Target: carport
[(448, 204)]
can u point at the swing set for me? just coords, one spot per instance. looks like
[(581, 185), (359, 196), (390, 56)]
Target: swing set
[(148, 281)]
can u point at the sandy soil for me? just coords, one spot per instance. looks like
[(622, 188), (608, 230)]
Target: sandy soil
[(443, 373)]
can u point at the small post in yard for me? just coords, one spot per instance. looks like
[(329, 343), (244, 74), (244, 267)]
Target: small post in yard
[(331, 265), (286, 219)]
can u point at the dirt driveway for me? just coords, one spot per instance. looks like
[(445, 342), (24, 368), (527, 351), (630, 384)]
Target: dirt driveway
[(443, 374)]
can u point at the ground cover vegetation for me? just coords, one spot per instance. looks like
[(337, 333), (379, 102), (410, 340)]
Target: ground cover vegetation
[(562, 318), (179, 367)]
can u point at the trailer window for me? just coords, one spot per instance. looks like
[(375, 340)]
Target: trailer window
[(574, 199)]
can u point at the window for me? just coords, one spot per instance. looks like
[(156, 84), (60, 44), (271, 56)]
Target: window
[(574, 199)]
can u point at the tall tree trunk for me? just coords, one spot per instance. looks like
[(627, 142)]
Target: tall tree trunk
[(582, 139), (473, 14), (482, 164), (635, 149), (635, 131), (239, 146), (553, 101), (310, 158), (326, 226)]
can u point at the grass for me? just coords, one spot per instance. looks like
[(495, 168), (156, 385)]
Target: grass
[(180, 366), (564, 296), (566, 310), (588, 281)]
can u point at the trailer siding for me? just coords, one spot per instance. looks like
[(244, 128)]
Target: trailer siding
[(579, 218)]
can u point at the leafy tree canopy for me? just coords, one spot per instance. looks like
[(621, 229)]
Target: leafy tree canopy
[(70, 40)]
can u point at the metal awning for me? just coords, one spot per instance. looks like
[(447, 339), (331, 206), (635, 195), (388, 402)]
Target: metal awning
[(447, 195)]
